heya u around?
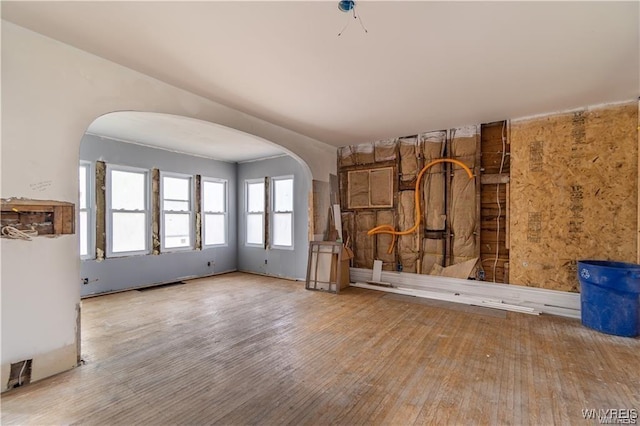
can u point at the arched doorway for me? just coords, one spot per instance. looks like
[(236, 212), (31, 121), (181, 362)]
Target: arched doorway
[(164, 198)]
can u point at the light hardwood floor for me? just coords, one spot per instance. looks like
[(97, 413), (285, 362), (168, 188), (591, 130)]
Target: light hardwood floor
[(245, 349)]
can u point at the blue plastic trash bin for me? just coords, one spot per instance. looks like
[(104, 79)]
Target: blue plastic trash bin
[(610, 296)]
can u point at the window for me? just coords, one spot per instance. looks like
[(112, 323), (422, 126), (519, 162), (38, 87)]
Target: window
[(177, 211), (282, 212), (255, 212), (214, 211), (85, 227), (128, 211)]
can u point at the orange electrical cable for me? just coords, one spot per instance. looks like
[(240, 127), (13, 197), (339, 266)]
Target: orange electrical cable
[(388, 229)]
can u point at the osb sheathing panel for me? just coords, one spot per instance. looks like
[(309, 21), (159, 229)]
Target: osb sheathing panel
[(573, 194), (364, 247), (408, 245), (463, 212), (383, 241), (408, 159), (434, 214)]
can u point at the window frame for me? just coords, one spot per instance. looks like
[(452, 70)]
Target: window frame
[(90, 197), (191, 212), (248, 213), (273, 211), (204, 212), (109, 216)]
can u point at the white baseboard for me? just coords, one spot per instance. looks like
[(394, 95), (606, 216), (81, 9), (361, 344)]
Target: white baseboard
[(541, 300)]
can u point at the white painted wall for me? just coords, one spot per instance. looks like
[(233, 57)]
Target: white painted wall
[(51, 92)]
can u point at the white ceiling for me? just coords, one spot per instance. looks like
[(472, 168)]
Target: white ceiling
[(182, 134), (422, 66)]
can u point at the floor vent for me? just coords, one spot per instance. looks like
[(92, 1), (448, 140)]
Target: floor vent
[(20, 374), (156, 287)]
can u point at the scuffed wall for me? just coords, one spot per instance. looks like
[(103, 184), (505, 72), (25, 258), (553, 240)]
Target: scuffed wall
[(574, 193)]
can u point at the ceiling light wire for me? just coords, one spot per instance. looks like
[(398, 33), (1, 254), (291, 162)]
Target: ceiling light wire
[(350, 6)]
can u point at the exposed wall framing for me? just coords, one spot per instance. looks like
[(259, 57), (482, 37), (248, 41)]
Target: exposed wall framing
[(496, 163), (464, 194), (321, 207), (574, 193), (197, 212), (101, 210), (449, 200), (434, 146), (39, 217), (155, 211)]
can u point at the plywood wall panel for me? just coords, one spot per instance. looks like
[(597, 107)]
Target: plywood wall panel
[(573, 192)]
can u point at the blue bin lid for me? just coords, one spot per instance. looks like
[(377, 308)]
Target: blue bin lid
[(621, 276)]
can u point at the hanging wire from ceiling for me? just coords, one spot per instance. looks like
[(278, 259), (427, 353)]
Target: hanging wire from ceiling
[(347, 6)]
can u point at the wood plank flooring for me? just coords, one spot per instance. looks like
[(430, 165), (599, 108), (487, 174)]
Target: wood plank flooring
[(246, 349)]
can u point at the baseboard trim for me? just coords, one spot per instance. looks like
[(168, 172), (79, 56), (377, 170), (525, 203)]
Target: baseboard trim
[(551, 302)]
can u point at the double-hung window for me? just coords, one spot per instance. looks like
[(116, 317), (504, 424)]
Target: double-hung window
[(282, 212), (254, 190), (86, 228), (177, 211), (128, 211), (214, 211)]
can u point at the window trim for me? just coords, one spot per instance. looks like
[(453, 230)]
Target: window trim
[(109, 215), (90, 195), (273, 212), (191, 212), (247, 213), (204, 212)]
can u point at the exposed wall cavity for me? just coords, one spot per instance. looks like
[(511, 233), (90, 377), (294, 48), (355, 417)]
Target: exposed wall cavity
[(496, 164), (321, 208), (378, 186)]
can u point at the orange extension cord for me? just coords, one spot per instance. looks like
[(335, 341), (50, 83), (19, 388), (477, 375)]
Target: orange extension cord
[(388, 229)]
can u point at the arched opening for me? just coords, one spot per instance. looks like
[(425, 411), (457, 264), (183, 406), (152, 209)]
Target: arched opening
[(165, 198)]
